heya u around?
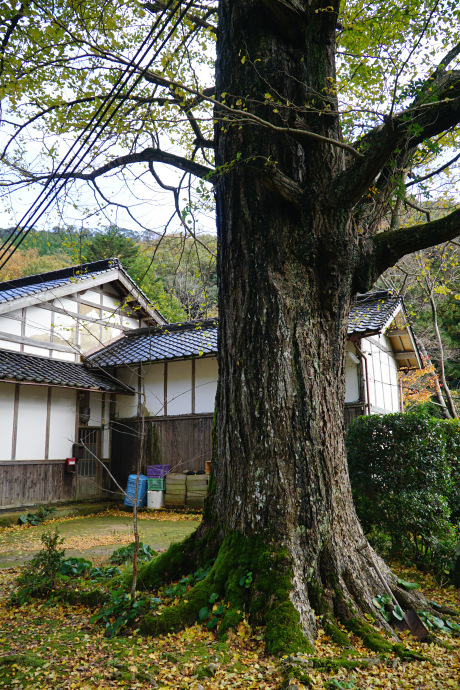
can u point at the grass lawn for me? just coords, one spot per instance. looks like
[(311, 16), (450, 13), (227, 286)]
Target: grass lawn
[(97, 536), (53, 645)]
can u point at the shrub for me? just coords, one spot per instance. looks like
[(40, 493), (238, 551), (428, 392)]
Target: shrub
[(451, 431), (404, 472), (38, 577)]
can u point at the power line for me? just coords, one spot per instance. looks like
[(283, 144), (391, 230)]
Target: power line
[(31, 215)]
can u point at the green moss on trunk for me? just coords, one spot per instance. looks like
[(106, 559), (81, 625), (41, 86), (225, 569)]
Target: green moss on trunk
[(251, 575), (372, 639)]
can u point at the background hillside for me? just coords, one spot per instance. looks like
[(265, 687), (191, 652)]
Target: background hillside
[(178, 274)]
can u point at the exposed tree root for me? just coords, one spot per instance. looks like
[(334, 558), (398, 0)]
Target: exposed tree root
[(248, 575), (251, 575), (298, 667)]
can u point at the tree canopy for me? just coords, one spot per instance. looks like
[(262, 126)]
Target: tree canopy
[(396, 88)]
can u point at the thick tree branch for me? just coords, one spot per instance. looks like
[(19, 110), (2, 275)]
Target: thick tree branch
[(436, 109), (148, 155), (389, 247), (158, 6), (274, 179), (9, 32)]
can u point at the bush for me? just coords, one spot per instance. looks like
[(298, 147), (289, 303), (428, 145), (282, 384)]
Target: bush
[(38, 577), (404, 472), (451, 431)]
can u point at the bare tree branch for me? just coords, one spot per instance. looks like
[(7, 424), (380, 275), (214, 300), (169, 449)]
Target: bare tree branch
[(148, 155), (435, 110), (389, 247)]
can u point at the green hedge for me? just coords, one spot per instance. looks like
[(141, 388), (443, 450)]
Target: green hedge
[(405, 477)]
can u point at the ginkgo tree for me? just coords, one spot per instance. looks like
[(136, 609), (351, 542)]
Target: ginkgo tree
[(320, 116)]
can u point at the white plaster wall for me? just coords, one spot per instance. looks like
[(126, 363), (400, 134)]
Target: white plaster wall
[(153, 382), (95, 404), (7, 345), (38, 323), (11, 325), (179, 387), (65, 328), (64, 356), (92, 295), (129, 321), (105, 441), (62, 423), (6, 419), (30, 444), (383, 374), (31, 350), (205, 384), (11, 322), (109, 300), (126, 405), (351, 375)]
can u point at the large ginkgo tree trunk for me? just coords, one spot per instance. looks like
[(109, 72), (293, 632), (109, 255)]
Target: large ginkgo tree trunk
[(295, 246)]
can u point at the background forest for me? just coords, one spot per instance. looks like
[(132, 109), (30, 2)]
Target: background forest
[(177, 274)]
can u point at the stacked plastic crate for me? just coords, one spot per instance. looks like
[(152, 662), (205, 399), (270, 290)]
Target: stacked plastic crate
[(156, 485), (141, 491), (197, 488), (175, 490)]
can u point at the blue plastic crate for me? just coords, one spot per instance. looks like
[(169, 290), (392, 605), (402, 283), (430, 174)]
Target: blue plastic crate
[(131, 491)]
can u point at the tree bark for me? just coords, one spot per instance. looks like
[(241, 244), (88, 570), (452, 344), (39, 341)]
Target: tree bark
[(279, 515), (286, 286), (442, 373)]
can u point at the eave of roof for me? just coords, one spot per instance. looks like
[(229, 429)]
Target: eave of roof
[(372, 314), (21, 367), (13, 292), (168, 342)]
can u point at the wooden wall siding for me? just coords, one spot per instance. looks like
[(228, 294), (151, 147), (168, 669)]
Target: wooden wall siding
[(24, 484), (352, 411), (184, 443)]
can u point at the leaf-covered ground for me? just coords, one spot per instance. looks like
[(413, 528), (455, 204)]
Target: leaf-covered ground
[(54, 645), (97, 535)]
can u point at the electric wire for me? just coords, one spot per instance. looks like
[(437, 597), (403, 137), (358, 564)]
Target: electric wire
[(93, 124), (103, 109)]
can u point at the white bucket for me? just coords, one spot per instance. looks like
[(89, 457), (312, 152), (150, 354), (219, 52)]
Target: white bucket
[(155, 499)]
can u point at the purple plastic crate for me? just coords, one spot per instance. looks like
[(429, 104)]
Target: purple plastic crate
[(157, 470)]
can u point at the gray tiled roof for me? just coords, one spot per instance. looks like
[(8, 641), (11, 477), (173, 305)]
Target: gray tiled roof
[(195, 338), (371, 312), (12, 289), (190, 339), (20, 366)]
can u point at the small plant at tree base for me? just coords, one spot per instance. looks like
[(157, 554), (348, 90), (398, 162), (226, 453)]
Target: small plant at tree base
[(245, 580), (43, 513), (336, 684), (433, 622), (122, 610), (385, 605), (38, 577), (120, 556), (211, 614)]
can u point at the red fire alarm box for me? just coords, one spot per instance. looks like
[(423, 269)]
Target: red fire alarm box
[(70, 465)]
